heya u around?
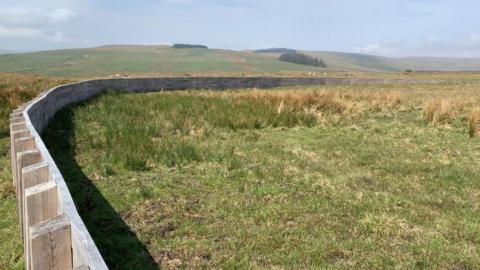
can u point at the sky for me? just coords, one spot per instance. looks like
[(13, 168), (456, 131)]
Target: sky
[(394, 28)]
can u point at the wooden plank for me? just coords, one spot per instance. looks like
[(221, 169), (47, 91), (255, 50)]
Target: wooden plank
[(17, 126), (32, 177), (17, 120), (15, 115), (20, 109), (35, 174), (24, 143), (14, 128), (51, 245), (20, 133), (41, 204), (13, 136), (24, 159), (20, 145)]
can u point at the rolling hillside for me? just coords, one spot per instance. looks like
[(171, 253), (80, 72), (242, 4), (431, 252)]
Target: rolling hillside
[(364, 62), (132, 59), (5, 51), (108, 60)]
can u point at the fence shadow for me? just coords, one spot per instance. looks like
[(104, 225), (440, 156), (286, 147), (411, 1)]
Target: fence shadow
[(4, 134), (118, 244)]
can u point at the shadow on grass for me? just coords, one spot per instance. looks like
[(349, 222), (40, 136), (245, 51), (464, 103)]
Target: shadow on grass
[(4, 134), (117, 243)]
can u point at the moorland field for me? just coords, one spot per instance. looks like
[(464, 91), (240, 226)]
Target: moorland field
[(337, 177), (134, 60)]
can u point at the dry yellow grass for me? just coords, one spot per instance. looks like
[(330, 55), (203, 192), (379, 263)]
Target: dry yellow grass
[(16, 89), (474, 122), (317, 100), (312, 101), (440, 104), (438, 111)]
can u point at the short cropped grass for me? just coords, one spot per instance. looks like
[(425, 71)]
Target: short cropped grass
[(294, 178)]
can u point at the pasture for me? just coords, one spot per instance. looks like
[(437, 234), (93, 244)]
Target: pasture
[(303, 177)]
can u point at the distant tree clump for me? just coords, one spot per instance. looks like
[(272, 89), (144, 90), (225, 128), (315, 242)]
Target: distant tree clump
[(276, 50), (302, 59), (188, 46)]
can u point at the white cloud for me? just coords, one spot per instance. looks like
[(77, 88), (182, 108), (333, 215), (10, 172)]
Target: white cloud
[(18, 32), (464, 46), (21, 25), (34, 16), (30, 33), (381, 49), (61, 15), (370, 48)]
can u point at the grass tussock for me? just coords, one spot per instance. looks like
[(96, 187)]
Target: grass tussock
[(344, 104), (441, 111), (183, 116), (17, 89), (308, 101), (474, 122)]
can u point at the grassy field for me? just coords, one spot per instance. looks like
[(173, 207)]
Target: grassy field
[(133, 60), (297, 178), (354, 61), (111, 60)]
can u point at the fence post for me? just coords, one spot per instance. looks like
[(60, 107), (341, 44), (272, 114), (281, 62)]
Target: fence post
[(40, 199), (35, 174), (18, 119), (22, 144), (24, 159), (16, 114), (51, 244), (18, 126), (13, 129), (14, 135)]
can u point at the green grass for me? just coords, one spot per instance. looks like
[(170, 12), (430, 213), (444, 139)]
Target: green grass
[(133, 60), (230, 180), (11, 251), (105, 61)]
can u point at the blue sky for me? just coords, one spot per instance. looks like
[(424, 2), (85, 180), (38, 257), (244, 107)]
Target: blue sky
[(394, 28)]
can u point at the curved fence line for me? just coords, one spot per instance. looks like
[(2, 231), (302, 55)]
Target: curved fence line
[(54, 234)]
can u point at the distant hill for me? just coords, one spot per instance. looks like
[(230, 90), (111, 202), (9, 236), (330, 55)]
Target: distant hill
[(133, 59), (363, 62), (6, 51), (354, 61)]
